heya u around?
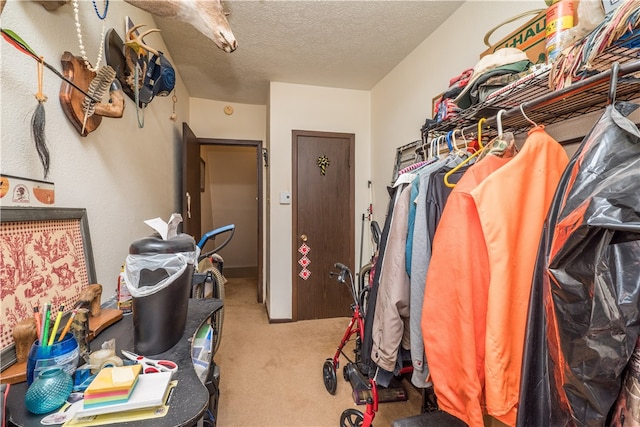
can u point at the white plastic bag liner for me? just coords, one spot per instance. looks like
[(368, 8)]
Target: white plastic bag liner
[(173, 264)]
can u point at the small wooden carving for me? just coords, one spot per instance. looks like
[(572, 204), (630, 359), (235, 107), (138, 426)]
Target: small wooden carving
[(80, 330), (24, 334), (90, 297), (114, 108)]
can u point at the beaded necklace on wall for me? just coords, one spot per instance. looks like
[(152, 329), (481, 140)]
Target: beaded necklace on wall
[(102, 17)]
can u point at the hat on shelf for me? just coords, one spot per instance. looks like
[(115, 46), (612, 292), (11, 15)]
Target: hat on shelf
[(507, 60)]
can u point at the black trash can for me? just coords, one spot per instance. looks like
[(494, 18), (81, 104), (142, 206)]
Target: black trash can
[(159, 318)]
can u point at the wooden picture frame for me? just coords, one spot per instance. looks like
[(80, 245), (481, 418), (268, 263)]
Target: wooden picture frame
[(45, 256)]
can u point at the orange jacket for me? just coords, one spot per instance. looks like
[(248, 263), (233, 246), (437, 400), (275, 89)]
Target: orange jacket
[(512, 205), (454, 309)]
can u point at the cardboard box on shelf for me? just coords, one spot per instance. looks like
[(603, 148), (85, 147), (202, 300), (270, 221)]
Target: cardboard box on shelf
[(530, 37)]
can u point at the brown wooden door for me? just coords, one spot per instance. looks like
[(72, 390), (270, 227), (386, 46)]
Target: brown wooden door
[(323, 214), (190, 183)]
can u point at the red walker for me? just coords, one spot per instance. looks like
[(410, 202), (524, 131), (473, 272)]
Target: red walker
[(351, 371)]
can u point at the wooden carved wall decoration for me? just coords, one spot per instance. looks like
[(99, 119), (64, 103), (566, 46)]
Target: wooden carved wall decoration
[(75, 104)]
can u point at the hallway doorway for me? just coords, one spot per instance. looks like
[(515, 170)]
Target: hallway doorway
[(231, 193)]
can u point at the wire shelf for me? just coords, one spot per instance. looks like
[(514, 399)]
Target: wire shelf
[(545, 106)]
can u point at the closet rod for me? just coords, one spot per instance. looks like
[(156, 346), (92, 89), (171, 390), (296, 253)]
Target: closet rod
[(552, 97)]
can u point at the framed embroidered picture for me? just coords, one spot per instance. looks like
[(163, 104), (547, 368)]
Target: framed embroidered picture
[(45, 256)]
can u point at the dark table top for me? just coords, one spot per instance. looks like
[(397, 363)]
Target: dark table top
[(190, 398)]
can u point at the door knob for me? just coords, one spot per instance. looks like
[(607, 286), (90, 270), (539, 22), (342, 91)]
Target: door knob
[(303, 237)]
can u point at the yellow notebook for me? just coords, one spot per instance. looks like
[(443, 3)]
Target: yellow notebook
[(114, 379)]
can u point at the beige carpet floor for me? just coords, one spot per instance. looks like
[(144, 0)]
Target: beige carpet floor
[(271, 374)]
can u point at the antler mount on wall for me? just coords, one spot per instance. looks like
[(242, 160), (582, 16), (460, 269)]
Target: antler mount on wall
[(208, 17)]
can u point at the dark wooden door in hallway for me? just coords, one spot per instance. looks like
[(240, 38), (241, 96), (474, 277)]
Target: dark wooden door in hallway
[(323, 222)]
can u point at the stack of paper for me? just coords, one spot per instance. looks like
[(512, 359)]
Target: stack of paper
[(149, 392), (112, 386)]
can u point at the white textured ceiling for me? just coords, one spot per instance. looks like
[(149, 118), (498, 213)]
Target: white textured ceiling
[(343, 44)]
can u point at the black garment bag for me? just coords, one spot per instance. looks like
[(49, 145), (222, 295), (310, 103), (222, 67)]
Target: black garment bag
[(584, 312)]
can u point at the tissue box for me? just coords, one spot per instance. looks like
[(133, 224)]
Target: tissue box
[(17, 191)]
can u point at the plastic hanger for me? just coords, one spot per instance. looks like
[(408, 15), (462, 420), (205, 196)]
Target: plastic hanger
[(449, 142), (457, 149), (436, 146), (501, 142), (468, 159), (445, 140), (480, 123), (525, 116)]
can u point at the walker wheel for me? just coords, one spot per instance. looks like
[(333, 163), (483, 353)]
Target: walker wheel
[(346, 371), (329, 375), (351, 418)]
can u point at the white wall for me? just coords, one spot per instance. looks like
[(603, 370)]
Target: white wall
[(121, 174), (314, 108), (208, 120), (401, 101)]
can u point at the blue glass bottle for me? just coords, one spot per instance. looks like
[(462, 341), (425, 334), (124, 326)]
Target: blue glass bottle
[(48, 391)]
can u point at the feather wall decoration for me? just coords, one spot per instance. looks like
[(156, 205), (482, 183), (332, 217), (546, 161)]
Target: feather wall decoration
[(38, 118), (38, 123), (97, 88)]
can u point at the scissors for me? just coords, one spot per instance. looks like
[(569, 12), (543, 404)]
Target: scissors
[(150, 366)]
